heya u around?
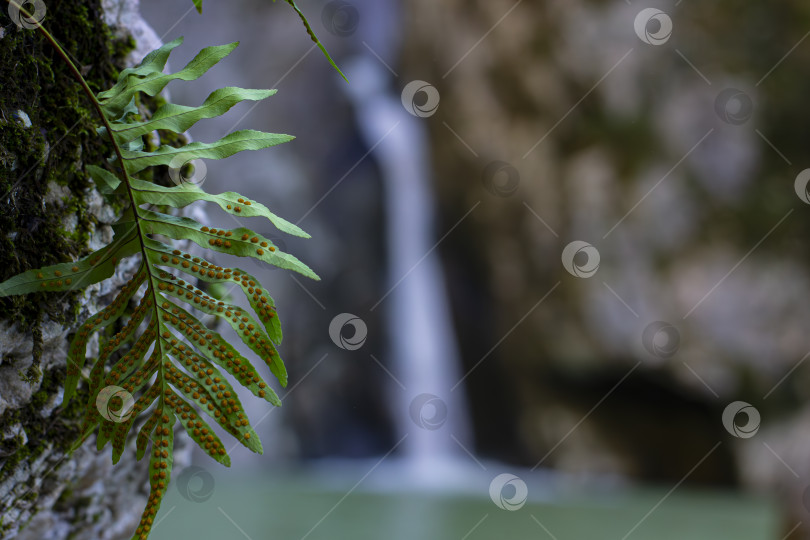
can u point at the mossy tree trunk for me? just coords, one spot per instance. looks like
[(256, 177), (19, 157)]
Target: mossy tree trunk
[(49, 213)]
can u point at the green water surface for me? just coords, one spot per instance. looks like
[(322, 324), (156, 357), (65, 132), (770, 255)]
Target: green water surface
[(285, 507)]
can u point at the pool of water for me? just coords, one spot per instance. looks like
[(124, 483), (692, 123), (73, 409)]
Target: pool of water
[(348, 503)]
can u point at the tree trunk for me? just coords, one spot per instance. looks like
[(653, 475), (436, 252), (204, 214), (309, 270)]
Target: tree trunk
[(49, 213)]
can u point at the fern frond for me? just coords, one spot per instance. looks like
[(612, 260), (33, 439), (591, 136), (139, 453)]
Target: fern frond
[(158, 358)]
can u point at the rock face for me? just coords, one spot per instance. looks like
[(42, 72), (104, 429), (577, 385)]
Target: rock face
[(50, 212), (672, 151)]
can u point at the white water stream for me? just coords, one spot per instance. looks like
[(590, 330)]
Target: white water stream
[(424, 355)]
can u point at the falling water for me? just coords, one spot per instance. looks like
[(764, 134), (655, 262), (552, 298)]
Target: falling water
[(423, 355)]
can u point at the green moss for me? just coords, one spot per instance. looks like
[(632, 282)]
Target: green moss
[(61, 138), (64, 497), (13, 460), (39, 399)]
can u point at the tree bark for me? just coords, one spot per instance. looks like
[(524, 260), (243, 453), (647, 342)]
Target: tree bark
[(50, 212)]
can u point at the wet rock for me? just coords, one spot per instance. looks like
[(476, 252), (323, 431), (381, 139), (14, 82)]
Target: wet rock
[(21, 117)]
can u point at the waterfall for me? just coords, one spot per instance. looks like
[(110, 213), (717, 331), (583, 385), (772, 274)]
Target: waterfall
[(423, 353)]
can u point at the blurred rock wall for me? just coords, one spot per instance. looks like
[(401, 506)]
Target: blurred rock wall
[(669, 140)]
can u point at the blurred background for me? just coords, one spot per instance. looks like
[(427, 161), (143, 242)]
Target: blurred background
[(564, 273)]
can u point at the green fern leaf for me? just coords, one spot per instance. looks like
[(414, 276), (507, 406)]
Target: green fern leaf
[(239, 241), (160, 470), (142, 440), (246, 139), (179, 118), (106, 182), (153, 62), (230, 202), (201, 433), (157, 358), (68, 276), (241, 322), (152, 80)]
